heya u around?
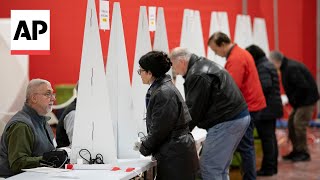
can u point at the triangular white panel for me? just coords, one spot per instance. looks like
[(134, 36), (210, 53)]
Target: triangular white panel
[(160, 36), (187, 23), (143, 45), (243, 32), (219, 22), (118, 83), (260, 36), (185, 42), (197, 36), (191, 38), (16, 67), (93, 128)]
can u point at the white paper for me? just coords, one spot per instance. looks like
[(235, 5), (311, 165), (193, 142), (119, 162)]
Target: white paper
[(104, 15), (152, 18), (46, 170)]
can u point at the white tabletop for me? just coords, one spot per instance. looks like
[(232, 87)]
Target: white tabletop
[(140, 166)]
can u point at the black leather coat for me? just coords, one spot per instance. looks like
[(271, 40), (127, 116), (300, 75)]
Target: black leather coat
[(212, 96), (169, 139)]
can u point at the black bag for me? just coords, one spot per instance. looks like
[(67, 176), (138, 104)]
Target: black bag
[(56, 158)]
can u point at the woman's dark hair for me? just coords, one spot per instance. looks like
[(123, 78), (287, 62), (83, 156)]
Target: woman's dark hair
[(256, 52), (157, 62)]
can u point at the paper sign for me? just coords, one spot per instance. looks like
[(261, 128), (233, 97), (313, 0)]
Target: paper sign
[(152, 18), (104, 15)]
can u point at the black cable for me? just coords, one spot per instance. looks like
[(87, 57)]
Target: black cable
[(97, 160), (143, 135)]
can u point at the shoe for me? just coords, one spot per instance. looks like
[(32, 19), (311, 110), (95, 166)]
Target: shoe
[(289, 156), (265, 172), (302, 156)]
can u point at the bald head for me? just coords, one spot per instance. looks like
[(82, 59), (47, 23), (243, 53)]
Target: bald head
[(276, 58), (180, 59), (180, 52)]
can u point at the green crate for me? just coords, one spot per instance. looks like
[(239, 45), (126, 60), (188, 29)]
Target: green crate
[(64, 92)]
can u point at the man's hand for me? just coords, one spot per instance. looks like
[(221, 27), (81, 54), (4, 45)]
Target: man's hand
[(136, 146), (284, 99)]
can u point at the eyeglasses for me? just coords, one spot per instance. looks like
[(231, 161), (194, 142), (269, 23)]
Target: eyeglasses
[(48, 95), (140, 70)]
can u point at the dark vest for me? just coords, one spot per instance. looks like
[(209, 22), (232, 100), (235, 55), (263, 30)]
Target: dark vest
[(43, 136), (62, 137)]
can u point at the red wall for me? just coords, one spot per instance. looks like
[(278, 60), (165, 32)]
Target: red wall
[(297, 29), (263, 9)]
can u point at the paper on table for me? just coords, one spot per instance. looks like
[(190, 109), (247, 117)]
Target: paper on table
[(45, 170)]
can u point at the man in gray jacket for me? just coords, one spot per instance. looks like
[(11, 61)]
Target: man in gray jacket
[(28, 135)]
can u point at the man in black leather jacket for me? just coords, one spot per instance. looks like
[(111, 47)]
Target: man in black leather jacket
[(302, 92), (215, 104)]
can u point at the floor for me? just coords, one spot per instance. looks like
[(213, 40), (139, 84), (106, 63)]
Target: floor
[(288, 170)]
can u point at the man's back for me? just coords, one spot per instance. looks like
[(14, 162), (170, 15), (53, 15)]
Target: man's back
[(219, 95), (242, 68), (298, 83)]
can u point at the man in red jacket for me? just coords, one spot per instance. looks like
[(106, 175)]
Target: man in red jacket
[(241, 67)]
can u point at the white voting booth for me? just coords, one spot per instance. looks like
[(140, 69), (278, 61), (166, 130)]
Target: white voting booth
[(119, 88), (93, 129), (14, 75), (160, 36), (219, 22), (139, 90), (243, 32), (191, 38), (260, 36)]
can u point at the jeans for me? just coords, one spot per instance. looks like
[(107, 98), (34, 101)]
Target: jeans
[(219, 146), (247, 152)]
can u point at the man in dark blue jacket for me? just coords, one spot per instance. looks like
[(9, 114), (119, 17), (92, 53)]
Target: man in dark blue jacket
[(302, 93)]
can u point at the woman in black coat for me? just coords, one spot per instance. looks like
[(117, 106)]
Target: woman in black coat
[(266, 121), (169, 140)]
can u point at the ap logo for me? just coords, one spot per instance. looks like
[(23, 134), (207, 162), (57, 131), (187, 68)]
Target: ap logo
[(30, 32)]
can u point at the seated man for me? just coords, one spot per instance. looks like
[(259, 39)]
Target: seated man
[(28, 135)]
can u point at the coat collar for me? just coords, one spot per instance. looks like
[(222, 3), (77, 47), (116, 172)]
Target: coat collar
[(284, 63), (260, 60), (193, 59), (159, 81), (26, 108)]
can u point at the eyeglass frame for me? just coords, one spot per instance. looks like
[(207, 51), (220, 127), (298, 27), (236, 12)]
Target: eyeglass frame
[(140, 70), (48, 95)]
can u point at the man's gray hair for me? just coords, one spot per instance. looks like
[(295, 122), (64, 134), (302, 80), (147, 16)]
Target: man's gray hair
[(33, 85), (276, 55), (179, 52)]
